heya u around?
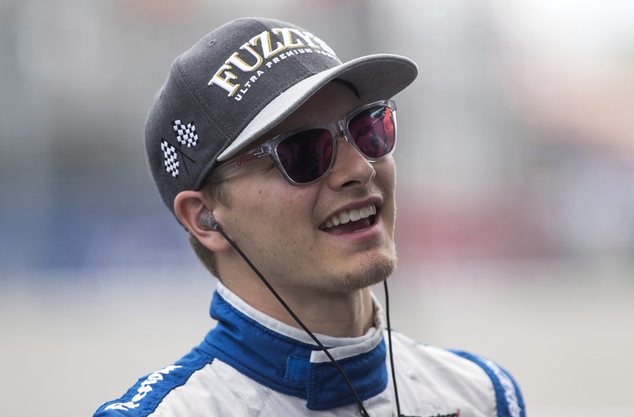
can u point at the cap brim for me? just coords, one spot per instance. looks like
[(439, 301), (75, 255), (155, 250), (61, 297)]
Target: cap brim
[(376, 77)]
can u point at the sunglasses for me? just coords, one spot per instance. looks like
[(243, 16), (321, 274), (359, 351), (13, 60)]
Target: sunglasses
[(305, 155)]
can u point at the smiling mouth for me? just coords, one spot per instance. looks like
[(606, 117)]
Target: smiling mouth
[(352, 220)]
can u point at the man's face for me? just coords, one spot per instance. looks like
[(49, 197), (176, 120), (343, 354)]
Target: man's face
[(283, 228)]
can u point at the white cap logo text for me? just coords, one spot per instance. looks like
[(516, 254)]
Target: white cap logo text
[(259, 49)]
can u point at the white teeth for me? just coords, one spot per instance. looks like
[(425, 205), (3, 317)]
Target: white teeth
[(350, 215)]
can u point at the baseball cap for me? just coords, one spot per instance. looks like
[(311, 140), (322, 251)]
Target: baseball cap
[(238, 82)]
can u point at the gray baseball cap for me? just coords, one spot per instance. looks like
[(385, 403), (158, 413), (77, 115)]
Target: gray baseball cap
[(238, 82)]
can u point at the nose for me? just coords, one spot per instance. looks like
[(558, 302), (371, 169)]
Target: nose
[(351, 168)]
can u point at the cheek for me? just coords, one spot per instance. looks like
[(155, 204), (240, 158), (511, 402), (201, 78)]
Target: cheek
[(386, 181), (386, 176), (274, 205)]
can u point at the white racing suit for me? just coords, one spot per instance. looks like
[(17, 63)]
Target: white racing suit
[(252, 365)]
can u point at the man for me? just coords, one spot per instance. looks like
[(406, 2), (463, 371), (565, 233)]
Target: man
[(276, 158)]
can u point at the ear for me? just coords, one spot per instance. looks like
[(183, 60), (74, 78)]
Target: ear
[(189, 206)]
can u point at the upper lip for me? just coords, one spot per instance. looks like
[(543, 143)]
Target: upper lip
[(376, 201)]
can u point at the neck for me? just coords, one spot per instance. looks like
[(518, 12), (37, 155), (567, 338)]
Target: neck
[(347, 314)]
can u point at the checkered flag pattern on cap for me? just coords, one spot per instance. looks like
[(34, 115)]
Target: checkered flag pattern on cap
[(185, 134), (170, 158)]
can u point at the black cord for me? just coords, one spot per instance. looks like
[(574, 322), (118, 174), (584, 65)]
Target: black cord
[(389, 338), (362, 410)]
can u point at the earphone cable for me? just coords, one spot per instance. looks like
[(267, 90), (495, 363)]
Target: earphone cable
[(389, 339)]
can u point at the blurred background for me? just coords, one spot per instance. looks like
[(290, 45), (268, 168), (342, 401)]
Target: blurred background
[(515, 187)]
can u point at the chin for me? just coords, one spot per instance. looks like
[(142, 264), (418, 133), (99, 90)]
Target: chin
[(368, 274)]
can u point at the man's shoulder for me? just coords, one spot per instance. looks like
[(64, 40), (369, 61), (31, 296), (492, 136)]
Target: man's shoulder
[(148, 392), (509, 400), (475, 375)]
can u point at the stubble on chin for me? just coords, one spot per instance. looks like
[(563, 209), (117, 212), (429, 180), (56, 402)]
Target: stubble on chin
[(368, 274)]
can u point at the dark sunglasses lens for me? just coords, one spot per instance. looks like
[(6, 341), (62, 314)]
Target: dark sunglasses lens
[(306, 155), (374, 131)]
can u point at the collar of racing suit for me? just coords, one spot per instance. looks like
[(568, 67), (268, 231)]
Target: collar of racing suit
[(285, 359)]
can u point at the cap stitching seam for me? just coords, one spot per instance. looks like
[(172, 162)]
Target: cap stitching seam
[(186, 80), (208, 166)]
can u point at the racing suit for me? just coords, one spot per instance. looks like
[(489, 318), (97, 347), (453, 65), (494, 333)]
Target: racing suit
[(252, 365)]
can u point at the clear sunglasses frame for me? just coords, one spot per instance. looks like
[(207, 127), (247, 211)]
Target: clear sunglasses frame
[(336, 129)]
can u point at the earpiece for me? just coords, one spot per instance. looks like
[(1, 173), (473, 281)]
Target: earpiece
[(207, 221)]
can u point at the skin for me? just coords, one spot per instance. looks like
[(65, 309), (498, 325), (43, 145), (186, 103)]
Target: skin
[(323, 276)]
